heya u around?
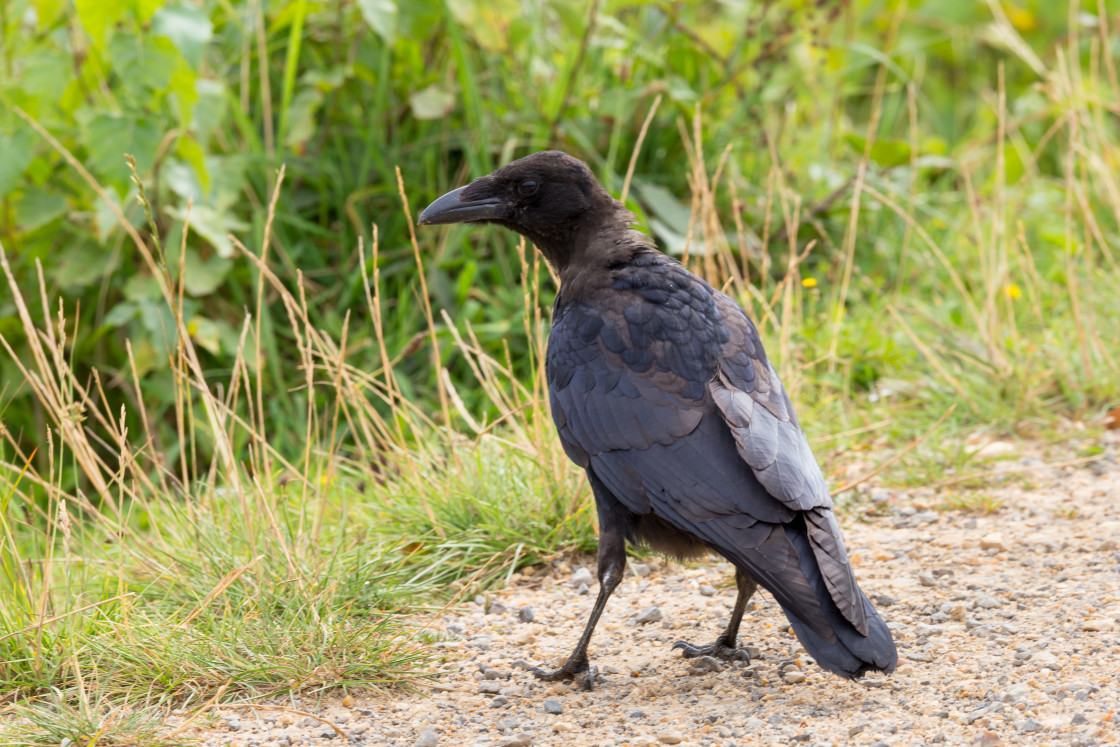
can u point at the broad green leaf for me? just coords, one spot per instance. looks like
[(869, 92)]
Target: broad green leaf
[(201, 277), (98, 16), (886, 153), (82, 265), (486, 20), (209, 107), (302, 121), (192, 153), (143, 63), (36, 207), (18, 148), (48, 11), (381, 16), (211, 225), (188, 28), (433, 102), (111, 136), (205, 333)]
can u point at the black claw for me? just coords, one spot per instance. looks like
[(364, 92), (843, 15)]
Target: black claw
[(719, 650), (579, 671)]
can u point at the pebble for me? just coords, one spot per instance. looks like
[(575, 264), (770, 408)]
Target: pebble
[(1078, 719), (563, 726), (988, 739), (669, 737), (641, 570), (987, 602), (583, 590), (705, 664), (517, 740), (553, 707), (1028, 725), (707, 591), (884, 600), (499, 701), (648, 615), (993, 541), (793, 677), (428, 738), (581, 576), (927, 579), (525, 614)]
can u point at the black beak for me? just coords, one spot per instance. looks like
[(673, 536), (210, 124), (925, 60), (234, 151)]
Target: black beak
[(452, 208)]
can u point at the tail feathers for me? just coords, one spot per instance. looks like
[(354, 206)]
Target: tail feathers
[(829, 635)]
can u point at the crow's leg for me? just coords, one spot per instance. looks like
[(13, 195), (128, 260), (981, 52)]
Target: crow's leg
[(726, 646), (613, 519)]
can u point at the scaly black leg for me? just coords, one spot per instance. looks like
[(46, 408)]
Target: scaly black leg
[(613, 520), (726, 647)]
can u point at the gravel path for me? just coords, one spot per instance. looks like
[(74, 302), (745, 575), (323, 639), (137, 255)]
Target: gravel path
[(1008, 627)]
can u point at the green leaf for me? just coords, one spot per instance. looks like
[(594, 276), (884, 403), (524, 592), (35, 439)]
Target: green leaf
[(98, 16), (302, 121), (211, 225), (110, 136), (18, 149), (381, 16), (206, 334), (37, 207), (487, 21), (188, 28), (201, 277), (143, 64), (886, 153), (433, 102)]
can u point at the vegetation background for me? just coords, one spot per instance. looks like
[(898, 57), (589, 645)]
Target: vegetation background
[(252, 427)]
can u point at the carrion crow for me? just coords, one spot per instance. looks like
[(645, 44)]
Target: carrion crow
[(661, 391)]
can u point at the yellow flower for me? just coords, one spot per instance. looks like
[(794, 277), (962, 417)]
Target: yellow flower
[(809, 282), (1013, 291)]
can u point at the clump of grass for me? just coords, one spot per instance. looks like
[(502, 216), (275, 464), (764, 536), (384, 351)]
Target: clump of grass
[(972, 501)]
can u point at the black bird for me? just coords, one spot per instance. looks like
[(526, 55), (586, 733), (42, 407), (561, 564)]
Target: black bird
[(662, 392)]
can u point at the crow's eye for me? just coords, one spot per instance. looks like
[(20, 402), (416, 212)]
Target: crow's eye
[(527, 187)]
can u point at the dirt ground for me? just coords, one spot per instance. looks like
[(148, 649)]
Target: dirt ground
[(1006, 613)]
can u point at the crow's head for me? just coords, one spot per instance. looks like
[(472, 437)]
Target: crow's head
[(548, 197)]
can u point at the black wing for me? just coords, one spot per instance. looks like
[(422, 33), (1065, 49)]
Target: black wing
[(664, 391)]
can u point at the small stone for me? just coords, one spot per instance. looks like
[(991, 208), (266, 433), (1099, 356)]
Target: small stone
[(670, 736), (1046, 660), (803, 737), (927, 579), (793, 677), (490, 688), (233, 724), (988, 739), (993, 541), (853, 730), (348, 701), (583, 590), (881, 743), (1097, 625), (1078, 719), (427, 738), (553, 707), (884, 600), (563, 726), (754, 652), (517, 740), (581, 576), (705, 664), (987, 602), (499, 701), (996, 450), (641, 570), (1028, 725), (525, 614), (648, 615), (707, 591)]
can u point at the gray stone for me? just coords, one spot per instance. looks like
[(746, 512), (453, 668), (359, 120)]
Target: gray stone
[(705, 664), (707, 591), (648, 615), (553, 707), (988, 602), (499, 701), (581, 576), (583, 590), (641, 570), (884, 600), (927, 579), (517, 740), (525, 614), (1028, 725), (1078, 719), (490, 688)]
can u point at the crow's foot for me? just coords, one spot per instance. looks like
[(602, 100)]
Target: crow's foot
[(577, 669), (719, 649)]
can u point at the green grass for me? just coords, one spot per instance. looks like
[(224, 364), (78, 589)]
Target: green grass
[(198, 502)]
